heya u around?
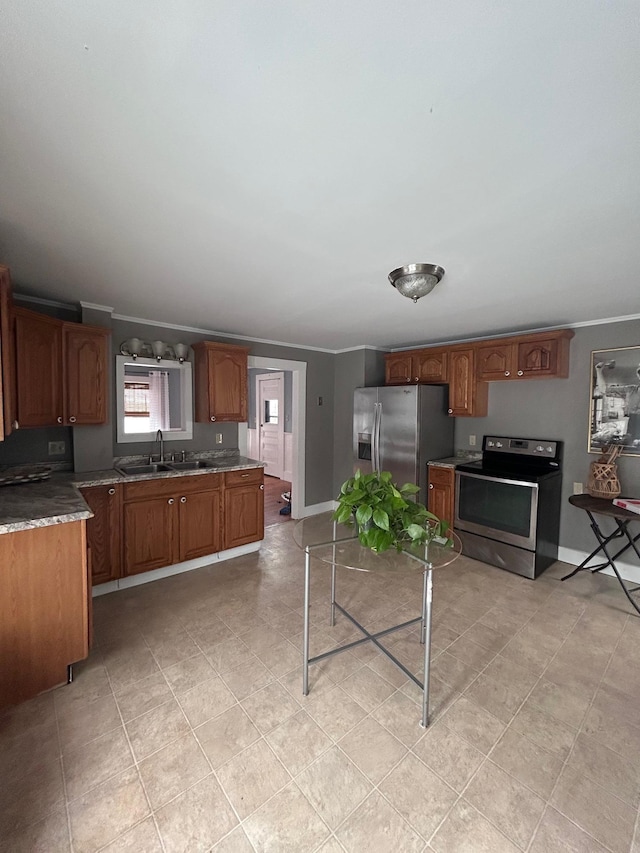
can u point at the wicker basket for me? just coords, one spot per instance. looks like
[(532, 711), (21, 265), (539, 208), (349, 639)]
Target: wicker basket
[(603, 474)]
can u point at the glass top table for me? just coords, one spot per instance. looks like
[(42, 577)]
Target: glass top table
[(323, 539)]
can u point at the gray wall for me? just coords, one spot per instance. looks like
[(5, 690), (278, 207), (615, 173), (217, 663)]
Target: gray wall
[(356, 369), (559, 409)]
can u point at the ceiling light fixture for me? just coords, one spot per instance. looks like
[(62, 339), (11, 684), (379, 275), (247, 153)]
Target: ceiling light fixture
[(416, 280)]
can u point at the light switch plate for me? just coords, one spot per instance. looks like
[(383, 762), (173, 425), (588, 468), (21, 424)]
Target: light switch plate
[(56, 448), (218, 438), (578, 488), (472, 441)]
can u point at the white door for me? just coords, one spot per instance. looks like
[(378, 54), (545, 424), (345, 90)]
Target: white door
[(270, 422)]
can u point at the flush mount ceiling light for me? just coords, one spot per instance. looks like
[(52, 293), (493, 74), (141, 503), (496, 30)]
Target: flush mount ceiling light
[(416, 280)]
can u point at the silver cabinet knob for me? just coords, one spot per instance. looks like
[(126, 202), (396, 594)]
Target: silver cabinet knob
[(507, 373), (213, 417), (59, 420), (430, 485), (16, 425), (262, 486), (417, 379), (183, 500), (521, 373), (450, 411), (72, 420), (112, 491), (170, 501)]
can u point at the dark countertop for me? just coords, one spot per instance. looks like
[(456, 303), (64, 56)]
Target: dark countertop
[(58, 500)]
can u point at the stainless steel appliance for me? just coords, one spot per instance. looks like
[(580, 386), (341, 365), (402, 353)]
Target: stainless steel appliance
[(399, 429), (508, 504)]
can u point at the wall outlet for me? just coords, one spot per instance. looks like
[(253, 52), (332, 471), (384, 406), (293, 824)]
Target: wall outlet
[(218, 438), (56, 448), (578, 488), (472, 441)]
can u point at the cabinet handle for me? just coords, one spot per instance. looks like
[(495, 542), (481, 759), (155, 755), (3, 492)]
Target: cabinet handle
[(170, 501), (417, 379), (262, 486), (72, 420), (59, 420), (243, 476), (450, 411), (213, 417), (112, 491), (16, 425), (521, 373), (183, 500), (430, 485), (507, 373)]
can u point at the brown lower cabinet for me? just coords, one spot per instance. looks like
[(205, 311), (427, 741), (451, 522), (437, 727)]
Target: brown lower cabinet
[(441, 492), (104, 531), (148, 524), (44, 612)]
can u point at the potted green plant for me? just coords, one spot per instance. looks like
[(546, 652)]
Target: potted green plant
[(385, 514)]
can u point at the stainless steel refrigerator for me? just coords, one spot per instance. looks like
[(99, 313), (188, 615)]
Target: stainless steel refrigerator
[(400, 429)]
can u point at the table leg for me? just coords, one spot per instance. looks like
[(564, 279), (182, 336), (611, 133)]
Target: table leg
[(427, 645), (305, 636), (424, 608)]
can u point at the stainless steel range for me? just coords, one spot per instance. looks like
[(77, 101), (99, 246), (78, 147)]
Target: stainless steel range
[(508, 504)]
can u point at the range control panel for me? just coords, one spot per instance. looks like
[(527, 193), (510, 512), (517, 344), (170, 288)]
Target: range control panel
[(540, 447)]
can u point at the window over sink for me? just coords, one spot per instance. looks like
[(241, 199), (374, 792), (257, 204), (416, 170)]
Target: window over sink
[(153, 395)]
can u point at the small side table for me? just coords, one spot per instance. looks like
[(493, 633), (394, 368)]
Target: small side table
[(322, 538), (623, 519)]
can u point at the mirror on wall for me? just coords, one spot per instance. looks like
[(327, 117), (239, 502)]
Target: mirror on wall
[(153, 395)]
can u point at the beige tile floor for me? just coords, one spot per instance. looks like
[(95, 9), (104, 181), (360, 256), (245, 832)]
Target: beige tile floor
[(186, 729)]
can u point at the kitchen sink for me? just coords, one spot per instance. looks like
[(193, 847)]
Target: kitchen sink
[(193, 465), (153, 468)]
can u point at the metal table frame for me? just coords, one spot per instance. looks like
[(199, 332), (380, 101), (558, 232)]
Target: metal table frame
[(622, 518), (424, 618)]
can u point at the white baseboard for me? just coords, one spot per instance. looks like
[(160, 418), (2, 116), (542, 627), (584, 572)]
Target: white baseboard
[(316, 509), (176, 569), (628, 571)]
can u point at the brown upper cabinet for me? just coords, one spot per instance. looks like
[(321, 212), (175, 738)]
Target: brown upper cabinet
[(418, 366), (7, 369), (468, 368), (61, 371), (539, 356), (221, 382), (467, 397)]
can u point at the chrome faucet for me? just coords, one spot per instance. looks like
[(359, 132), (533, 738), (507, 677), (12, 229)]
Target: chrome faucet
[(161, 440)]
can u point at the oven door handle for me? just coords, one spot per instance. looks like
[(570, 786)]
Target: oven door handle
[(491, 478)]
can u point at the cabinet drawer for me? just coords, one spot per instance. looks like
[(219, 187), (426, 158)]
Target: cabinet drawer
[(441, 476), (171, 486), (243, 477)]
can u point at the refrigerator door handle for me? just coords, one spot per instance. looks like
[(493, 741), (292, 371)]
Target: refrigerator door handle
[(375, 438), (378, 429)]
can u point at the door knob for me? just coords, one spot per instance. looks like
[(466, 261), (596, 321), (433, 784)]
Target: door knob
[(183, 500), (170, 501), (112, 491)]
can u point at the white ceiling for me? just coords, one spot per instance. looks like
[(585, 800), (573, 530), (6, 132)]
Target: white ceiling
[(258, 167)]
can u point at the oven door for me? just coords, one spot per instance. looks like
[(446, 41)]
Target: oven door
[(501, 509)]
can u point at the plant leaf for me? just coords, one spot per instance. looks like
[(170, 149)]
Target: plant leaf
[(381, 519)]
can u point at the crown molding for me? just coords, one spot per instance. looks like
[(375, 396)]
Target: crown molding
[(52, 303), (93, 305)]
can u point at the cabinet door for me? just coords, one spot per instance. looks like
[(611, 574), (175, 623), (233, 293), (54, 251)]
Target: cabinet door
[(39, 369), (397, 368), (495, 361), (7, 372), (150, 534), (104, 531), (243, 515), (441, 493), (467, 396), (430, 366), (227, 385), (539, 358), (199, 524), (85, 362)]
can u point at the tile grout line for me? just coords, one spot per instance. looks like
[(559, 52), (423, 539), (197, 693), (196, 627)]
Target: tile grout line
[(64, 776)]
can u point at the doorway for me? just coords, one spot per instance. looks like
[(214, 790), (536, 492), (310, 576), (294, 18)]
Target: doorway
[(270, 417), (296, 455)]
